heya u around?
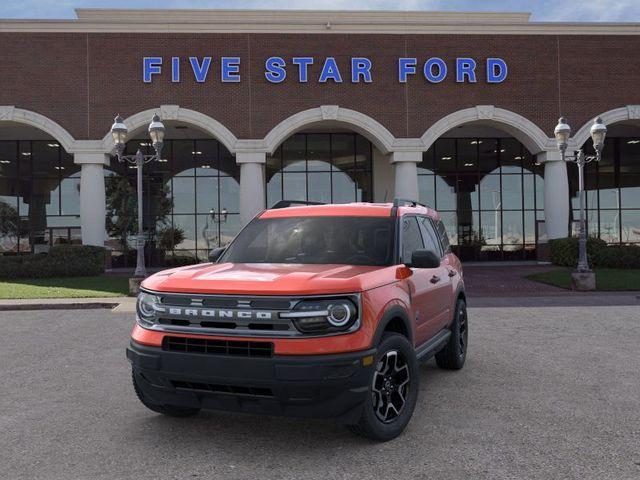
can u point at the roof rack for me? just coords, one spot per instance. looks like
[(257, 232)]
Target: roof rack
[(401, 202), (292, 203)]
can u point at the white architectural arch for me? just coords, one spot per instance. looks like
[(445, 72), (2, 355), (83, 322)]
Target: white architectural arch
[(179, 114), (373, 130), (629, 112), (527, 132), (9, 113)]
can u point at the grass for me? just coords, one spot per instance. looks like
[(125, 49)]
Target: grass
[(72, 287), (607, 279)]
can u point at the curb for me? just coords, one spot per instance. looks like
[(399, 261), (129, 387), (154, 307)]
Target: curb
[(57, 306)]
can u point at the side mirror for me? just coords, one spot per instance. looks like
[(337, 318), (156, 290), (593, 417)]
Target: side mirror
[(216, 253), (424, 259)]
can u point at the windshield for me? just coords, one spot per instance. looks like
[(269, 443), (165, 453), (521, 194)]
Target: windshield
[(315, 240)]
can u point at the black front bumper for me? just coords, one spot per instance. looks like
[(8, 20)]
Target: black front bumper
[(317, 386)]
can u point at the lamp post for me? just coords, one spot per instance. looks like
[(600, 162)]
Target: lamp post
[(119, 133), (562, 133)]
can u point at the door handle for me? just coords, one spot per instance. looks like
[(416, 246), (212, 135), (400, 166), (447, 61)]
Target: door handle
[(435, 279), (452, 273)]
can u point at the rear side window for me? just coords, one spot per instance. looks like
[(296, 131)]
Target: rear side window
[(429, 236), (442, 234), (411, 238)]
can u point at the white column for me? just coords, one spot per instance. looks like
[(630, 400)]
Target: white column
[(92, 197), (556, 194), (252, 189), (406, 172)]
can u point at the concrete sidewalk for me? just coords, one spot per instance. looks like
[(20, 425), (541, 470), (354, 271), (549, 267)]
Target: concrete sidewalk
[(68, 303)]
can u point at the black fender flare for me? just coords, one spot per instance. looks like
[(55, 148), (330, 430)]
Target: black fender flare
[(394, 311)]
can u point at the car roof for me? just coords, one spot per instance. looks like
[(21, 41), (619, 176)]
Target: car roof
[(356, 209)]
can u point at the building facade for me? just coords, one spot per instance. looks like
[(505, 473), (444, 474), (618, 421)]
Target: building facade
[(456, 110)]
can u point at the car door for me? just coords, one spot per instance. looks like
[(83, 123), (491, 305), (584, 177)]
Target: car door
[(424, 301), (441, 280)]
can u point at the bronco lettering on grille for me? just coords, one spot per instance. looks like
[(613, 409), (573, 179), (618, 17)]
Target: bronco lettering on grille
[(214, 313)]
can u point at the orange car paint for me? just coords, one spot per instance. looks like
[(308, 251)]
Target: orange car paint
[(380, 288)]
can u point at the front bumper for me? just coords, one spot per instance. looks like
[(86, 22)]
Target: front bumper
[(317, 386)]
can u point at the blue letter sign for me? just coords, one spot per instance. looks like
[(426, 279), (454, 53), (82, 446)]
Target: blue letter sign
[(200, 71), (496, 70), (434, 69), (151, 66), (275, 69)]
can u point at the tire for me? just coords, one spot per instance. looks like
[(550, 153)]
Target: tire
[(169, 410), (453, 355), (379, 421)]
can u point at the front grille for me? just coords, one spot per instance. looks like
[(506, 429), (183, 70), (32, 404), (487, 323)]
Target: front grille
[(229, 389), (218, 347)]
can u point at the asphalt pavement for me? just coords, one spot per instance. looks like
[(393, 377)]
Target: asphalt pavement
[(547, 393)]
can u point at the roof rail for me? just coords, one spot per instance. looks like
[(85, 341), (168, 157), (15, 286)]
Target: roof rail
[(292, 203), (401, 202)]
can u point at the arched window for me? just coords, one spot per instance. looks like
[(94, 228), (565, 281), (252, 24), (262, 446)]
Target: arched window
[(194, 190), (489, 192), (39, 196), (321, 167)]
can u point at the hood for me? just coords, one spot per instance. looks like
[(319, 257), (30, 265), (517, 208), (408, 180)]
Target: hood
[(270, 279)]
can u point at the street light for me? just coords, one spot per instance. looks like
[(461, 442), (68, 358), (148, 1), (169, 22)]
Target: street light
[(119, 133), (562, 133)]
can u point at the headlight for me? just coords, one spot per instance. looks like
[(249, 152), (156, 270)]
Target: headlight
[(323, 316), (147, 307)]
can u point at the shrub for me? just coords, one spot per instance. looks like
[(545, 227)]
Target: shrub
[(618, 256), (564, 251), (61, 261)]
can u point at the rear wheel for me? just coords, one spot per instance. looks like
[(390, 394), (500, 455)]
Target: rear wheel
[(393, 390), (169, 410), (453, 355)]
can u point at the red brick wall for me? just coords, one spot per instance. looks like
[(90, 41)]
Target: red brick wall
[(82, 80)]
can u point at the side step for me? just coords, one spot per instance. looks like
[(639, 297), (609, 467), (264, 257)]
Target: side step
[(432, 346)]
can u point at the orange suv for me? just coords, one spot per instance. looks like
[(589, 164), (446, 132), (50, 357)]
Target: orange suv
[(313, 311)]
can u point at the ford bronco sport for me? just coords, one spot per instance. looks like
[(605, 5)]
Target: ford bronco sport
[(320, 311)]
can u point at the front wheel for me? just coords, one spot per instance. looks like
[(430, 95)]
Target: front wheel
[(453, 355), (393, 390)]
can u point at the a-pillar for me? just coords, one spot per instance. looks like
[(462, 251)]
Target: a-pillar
[(252, 189), (406, 173), (556, 194), (92, 197)]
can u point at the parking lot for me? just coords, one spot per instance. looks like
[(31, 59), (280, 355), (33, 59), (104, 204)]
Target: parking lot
[(548, 392)]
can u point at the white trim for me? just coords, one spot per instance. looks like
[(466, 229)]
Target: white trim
[(527, 132), (382, 138), (9, 113), (629, 112), (177, 113), (308, 21)]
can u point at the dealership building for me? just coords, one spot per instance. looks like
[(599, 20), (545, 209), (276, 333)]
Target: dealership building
[(455, 110)]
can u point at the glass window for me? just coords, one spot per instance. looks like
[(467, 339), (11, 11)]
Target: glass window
[(445, 158), (311, 240), (442, 234), (294, 153), (610, 226), (320, 167), (319, 152), (207, 195), (429, 236), (512, 192), (411, 238), (467, 154), (511, 155), (445, 194), (630, 222), (426, 188), (319, 187)]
